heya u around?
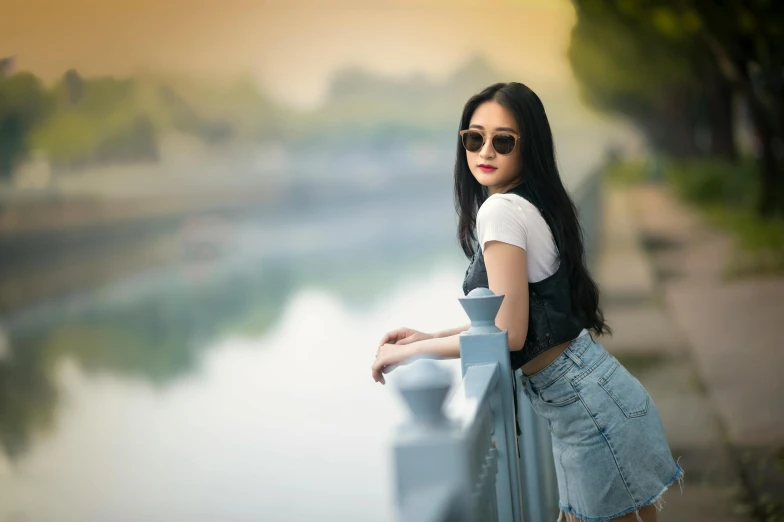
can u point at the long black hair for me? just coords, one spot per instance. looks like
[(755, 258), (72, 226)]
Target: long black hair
[(542, 185)]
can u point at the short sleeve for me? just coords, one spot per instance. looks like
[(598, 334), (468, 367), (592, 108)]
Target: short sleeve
[(500, 219)]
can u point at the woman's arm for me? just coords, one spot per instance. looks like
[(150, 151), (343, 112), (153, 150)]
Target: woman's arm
[(390, 355), (444, 344), (444, 347), (507, 274), (452, 331)]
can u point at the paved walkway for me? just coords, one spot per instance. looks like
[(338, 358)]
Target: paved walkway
[(705, 349)]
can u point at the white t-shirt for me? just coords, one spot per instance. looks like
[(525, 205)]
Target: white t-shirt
[(512, 219)]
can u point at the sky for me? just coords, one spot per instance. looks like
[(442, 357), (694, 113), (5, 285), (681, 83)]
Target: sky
[(292, 48)]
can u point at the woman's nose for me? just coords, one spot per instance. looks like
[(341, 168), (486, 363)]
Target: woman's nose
[(487, 150)]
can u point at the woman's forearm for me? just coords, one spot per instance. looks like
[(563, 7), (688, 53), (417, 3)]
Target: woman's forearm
[(452, 331), (442, 347)]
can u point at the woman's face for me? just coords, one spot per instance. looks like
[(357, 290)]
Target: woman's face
[(498, 172)]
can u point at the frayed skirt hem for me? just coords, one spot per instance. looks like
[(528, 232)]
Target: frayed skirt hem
[(656, 500)]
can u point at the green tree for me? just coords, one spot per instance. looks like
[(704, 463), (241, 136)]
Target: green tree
[(96, 120), (668, 85), (24, 103), (745, 42), (747, 39)]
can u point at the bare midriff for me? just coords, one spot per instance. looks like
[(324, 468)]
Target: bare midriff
[(541, 361)]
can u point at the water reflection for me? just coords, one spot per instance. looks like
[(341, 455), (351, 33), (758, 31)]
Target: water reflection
[(281, 424), (162, 336), (157, 339)]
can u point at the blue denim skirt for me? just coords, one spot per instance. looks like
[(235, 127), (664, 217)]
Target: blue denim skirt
[(611, 454)]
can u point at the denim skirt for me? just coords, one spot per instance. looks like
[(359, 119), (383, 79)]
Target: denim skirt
[(611, 454)]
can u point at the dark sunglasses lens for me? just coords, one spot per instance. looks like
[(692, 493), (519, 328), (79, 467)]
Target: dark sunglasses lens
[(503, 143), (472, 141)]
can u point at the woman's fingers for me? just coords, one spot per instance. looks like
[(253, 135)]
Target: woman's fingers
[(400, 336), (379, 364), (387, 337), (377, 375), (385, 363), (393, 336)]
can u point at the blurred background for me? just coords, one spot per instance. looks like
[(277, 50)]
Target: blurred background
[(210, 213)]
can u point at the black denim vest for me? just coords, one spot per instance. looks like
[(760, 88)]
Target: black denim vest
[(551, 320)]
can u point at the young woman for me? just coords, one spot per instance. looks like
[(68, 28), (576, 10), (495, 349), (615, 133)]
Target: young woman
[(519, 227)]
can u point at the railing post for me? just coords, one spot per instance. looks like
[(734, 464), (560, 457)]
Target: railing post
[(483, 343), (431, 463), (539, 484)]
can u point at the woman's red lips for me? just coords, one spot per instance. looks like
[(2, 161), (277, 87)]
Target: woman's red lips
[(487, 168)]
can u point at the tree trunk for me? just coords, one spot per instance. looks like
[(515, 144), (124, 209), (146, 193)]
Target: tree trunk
[(767, 120), (719, 98), (772, 169), (671, 128), (771, 140)]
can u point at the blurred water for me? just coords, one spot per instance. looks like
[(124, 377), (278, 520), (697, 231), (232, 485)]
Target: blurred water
[(237, 388), (283, 426)]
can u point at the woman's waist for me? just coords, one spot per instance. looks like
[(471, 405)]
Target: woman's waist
[(555, 362), (541, 361)]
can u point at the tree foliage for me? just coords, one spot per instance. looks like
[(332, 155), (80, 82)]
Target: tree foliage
[(80, 121), (24, 103), (650, 59), (628, 68)]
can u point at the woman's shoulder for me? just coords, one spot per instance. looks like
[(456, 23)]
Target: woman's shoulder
[(510, 205)]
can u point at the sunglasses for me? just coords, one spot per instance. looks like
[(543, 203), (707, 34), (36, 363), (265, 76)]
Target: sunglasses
[(473, 141)]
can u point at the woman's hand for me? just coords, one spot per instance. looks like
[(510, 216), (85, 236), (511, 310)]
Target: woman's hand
[(388, 355), (403, 336), (394, 348)]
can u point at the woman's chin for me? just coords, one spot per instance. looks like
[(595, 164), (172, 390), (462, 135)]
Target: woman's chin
[(486, 179), (492, 182)]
